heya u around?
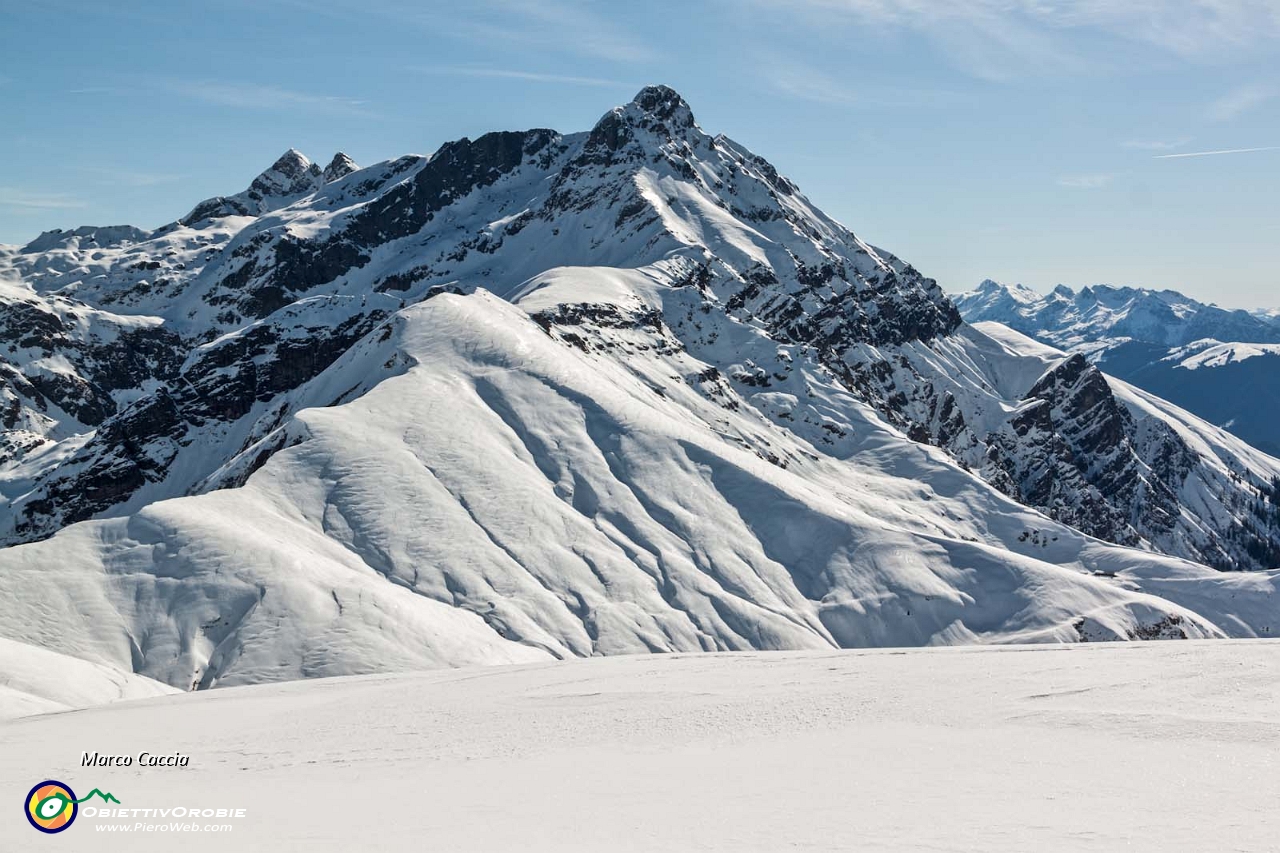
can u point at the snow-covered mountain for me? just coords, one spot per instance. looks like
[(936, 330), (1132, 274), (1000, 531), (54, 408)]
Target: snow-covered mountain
[(1157, 340), (542, 395), (1269, 315), (1099, 314)]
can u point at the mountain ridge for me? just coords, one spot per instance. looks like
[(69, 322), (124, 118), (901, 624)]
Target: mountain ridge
[(657, 399), (1157, 340), (1066, 317)]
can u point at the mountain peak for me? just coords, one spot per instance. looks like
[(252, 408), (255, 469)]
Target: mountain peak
[(657, 114), (664, 104), (292, 164), (339, 167), (291, 174)]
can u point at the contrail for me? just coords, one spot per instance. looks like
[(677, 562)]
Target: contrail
[(1211, 153)]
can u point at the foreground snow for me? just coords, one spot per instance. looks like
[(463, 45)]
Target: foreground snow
[(1147, 746)]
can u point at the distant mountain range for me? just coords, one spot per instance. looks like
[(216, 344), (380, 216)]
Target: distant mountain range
[(1269, 315), (1221, 364)]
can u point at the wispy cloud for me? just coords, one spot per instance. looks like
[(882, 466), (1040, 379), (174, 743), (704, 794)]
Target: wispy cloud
[(569, 25), (100, 90), (11, 197), (1188, 28), (258, 97), (514, 74), (1216, 153), (1240, 101), (494, 27), (251, 96), (128, 177), (1085, 182), (806, 83), (1155, 144), (999, 39)]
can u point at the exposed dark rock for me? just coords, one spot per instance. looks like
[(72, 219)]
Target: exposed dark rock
[(453, 172), (339, 167)]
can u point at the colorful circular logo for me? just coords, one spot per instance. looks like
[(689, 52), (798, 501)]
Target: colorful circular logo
[(51, 806)]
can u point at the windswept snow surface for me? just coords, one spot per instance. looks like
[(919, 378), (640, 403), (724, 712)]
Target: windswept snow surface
[(1144, 747), (500, 497), (37, 681)]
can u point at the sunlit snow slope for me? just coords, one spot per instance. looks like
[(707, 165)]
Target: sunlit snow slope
[(34, 680)]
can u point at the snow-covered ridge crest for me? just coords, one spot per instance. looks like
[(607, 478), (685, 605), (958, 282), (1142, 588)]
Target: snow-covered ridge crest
[(1211, 353)]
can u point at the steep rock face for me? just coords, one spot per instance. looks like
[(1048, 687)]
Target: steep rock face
[(266, 290), (1068, 451), (66, 367), (1092, 453)]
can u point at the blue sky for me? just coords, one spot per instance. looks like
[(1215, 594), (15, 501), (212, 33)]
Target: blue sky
[(1024, 140)]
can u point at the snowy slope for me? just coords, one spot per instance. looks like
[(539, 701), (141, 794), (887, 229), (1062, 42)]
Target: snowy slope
[(1215, 354), (34, 680), (1151, 748), (1233, 385), (543, 395)]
